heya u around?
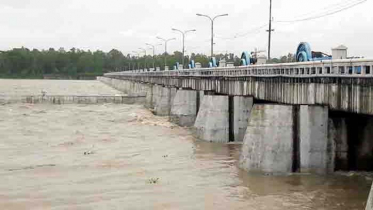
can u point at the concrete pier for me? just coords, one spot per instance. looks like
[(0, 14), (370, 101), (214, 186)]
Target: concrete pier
[(282, 139), (184, 108), (299, 137), (212, 123), (149, 97), (352, 140), (163, 102), (268, 143), (338, 137), (241, 113), (364, 156), (313, 136)]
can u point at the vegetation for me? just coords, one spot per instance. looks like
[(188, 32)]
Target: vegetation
[(26, 63)]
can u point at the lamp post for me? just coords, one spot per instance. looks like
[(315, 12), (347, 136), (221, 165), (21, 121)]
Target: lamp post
[(212, 29), (144, 50), (153, 47), (183, 33), (165, 48)]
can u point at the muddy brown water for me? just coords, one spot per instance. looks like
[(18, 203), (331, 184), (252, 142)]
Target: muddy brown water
[(123, 157)]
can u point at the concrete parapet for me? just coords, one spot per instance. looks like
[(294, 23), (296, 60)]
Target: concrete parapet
[(268, 143), (184, 108), (313, 136), (212, 123)]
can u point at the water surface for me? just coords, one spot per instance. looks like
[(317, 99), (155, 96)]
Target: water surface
[(123, 157)]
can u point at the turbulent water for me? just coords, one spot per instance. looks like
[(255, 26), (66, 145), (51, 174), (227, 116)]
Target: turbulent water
[(55, 87), (123, 157)]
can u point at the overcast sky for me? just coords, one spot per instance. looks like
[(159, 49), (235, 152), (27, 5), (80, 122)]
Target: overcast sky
[(127, 25)]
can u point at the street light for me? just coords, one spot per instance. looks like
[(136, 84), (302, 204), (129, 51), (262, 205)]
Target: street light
[(183, 33), (165, 48), (153, 47), (144, 50), (212, 29)]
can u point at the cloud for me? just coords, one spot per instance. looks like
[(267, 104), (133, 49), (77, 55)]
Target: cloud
[(128, 25)]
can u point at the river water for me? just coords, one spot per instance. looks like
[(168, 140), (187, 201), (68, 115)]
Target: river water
[(123, 157)]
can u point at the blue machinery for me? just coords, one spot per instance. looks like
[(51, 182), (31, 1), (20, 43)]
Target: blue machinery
[(304, 53), (247, 59), (192, 64), (213, 63)]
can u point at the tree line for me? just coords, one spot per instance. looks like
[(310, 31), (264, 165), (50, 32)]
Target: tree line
[(26, 63)]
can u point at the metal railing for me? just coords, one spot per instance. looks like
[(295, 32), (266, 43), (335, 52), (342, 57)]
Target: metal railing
[(326, 68)]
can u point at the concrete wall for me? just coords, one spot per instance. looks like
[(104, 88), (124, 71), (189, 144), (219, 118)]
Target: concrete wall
[(268, 143), (313, 135), (62, 99), (241, 113), (128, 87), (212, 123), (184, 108)]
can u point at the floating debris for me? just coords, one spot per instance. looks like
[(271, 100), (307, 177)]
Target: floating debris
[(153, 180), (89, 153)]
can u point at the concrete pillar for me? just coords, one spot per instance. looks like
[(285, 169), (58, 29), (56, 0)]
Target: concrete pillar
[(212, 123), (338, 139), (156, 92), (364, 147), (184, 108), (241, 113), (200, 95), (370, 200), (164, 99), (269, 139), (313, 135), (149, 97)]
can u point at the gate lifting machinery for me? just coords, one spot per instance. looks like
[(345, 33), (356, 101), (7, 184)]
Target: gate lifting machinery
[(304, 54)]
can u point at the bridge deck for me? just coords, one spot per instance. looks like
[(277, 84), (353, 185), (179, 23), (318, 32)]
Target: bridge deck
[(343, 85)]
